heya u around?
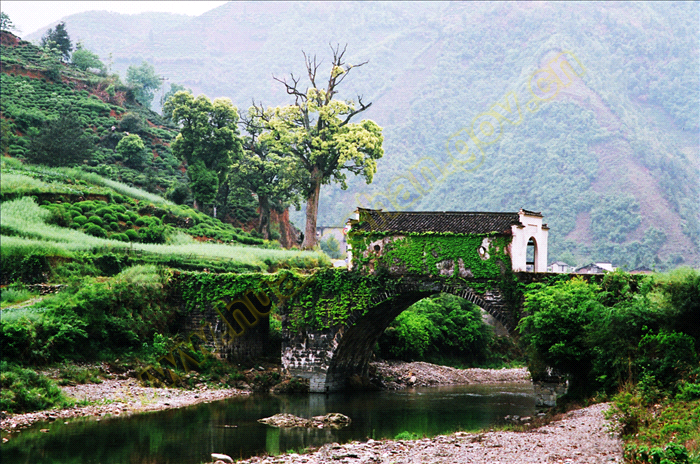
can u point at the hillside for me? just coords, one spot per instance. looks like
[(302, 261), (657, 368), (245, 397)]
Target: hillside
[(37, 90), (612, 160), (97, 211)]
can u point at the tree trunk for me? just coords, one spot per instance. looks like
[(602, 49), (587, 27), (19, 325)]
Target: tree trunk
[(312, 211), (264, 221)]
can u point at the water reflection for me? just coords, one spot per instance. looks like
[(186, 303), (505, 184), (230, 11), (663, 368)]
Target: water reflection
[(189, 435)]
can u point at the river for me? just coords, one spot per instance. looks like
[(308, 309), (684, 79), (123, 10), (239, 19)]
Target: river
[(190, 435)]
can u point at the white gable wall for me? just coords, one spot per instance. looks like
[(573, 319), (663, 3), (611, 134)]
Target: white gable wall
[(531, 227)]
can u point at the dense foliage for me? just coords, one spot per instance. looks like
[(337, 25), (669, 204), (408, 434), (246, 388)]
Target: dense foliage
[(621, 330), (60, 142), (93, 321), (636, 336), (58, 39), (442, 328), (23, 390)]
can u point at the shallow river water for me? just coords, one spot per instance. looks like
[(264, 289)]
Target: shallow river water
[(190, 435)]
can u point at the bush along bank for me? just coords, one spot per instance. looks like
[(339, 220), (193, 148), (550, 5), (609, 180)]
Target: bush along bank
[(633, 341)]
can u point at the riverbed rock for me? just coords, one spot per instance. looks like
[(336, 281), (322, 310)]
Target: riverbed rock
[(332, 420), (285, 420)]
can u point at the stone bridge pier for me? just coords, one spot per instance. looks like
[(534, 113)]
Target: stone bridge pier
[(338, 357)]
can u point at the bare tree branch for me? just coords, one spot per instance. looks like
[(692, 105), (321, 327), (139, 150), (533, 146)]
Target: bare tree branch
[(311, 68), (354, 112)]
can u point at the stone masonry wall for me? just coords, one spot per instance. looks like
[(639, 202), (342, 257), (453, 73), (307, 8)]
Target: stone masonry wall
[(254, 343)]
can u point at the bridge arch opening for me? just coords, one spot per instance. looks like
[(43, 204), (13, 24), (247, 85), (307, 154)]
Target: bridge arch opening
[(353, 346), (438, 329)]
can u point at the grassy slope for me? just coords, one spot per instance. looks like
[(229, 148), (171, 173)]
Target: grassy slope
[(54, 227)]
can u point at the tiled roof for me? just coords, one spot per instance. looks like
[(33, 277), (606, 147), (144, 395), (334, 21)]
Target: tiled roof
[(458, 222)]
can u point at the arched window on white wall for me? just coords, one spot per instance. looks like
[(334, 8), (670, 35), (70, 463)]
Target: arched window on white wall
[(531, 257)]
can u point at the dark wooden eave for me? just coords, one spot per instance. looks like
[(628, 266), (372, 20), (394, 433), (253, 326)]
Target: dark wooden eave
[(458, 222)]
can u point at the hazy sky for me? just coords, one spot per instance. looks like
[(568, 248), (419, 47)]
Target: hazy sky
[(28, 16)]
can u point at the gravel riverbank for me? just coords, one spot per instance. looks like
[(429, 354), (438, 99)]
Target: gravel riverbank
[(399, 374), (579, 437), (118, 398)]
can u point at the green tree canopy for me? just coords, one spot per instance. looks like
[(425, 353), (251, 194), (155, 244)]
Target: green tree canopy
[(174, 88), (85, 59), (316, 130), (5, 22), (58, 39), (133, 150), (208, 138), (60, 142), (270, 176), (144, 81), (331, 247)]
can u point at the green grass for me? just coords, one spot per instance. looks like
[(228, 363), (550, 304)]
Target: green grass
[(19, 178), (23, 390), (10, 295), (24, 231), (72, 374), (118, 187)]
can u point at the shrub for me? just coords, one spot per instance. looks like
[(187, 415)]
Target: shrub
[(152, 234), (132, 235), (667, 357), (109, 264), (80, 220), (96, 231), (23, 390), (131, 122), (33, 269), (61, 142), (95, 220), (554, 334), (120, 237), (85, 206), (139, 222), (122, 217), (114, 226)]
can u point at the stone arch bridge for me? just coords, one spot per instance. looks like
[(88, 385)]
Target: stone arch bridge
[(332, 320), (480, 256), (337, 356)]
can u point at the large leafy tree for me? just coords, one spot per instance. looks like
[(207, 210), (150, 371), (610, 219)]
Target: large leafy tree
[(270, 176), (6, 23), (58, 39), (144, 80), (174, 88), (60, 142), (133, 150), (208, 141), (85, 59), (316, 130)]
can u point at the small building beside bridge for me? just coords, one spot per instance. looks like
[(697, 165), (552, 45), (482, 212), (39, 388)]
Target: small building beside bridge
[(468, 244)]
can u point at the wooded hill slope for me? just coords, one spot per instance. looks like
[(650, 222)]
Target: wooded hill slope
[(611, 160)]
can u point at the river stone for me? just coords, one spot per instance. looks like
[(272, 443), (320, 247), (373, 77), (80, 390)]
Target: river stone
[(221, 457), (334, 420)]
